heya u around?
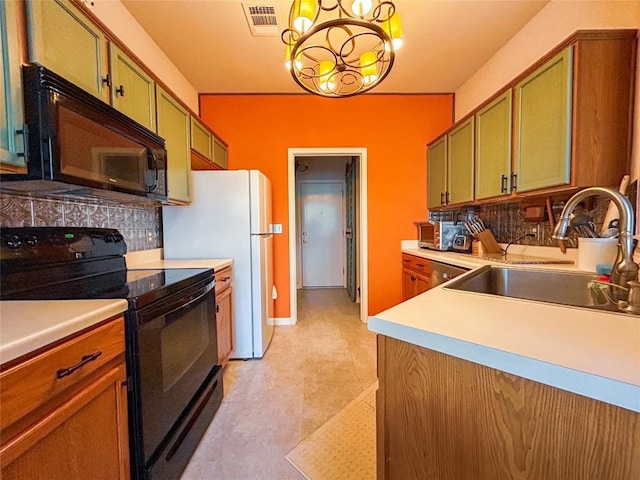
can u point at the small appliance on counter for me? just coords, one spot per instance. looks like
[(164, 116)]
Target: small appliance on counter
[(462, 243), (438, 235)]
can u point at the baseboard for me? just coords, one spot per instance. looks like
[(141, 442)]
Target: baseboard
[(282, 321)]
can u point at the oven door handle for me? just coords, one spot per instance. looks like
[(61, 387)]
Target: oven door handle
[(181, 303)]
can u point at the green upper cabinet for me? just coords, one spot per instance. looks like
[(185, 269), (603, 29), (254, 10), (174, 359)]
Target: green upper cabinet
[(174, 125), (63, 39), (543, 125), (437, 172), (201, 139), (11, 112), (133, 91), (493, 148), (219, 153), (460, 163)]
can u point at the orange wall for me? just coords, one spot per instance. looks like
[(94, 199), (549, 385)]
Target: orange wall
[(395, 129)]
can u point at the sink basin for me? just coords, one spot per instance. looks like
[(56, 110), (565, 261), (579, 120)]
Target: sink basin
[(564, 288)]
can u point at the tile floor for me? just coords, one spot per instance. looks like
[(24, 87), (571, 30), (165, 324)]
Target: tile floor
[(310, 372)]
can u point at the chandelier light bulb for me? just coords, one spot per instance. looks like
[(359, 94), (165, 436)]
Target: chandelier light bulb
[(368, 67), (287, 59), (361, 7), (304, 13), (393, 27), (325, 69)]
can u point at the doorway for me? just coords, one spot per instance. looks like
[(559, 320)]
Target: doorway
[(312, 171), (322, 215)]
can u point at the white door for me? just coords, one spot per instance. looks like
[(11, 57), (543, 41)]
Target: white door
[(322, 238)]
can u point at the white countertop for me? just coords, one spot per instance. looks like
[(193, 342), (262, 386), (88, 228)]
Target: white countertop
[(592, 353), (153, 259), (29, 325)]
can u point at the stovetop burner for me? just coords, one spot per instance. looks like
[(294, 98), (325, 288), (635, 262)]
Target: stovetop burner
[(61, 263)]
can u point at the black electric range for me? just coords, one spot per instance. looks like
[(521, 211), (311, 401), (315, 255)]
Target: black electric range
[(174, 380)]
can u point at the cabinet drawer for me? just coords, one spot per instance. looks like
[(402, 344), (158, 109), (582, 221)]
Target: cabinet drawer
[(41, 378), (416, 263), (224, 278)]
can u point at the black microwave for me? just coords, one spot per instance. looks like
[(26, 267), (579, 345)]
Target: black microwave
[(78, 144)]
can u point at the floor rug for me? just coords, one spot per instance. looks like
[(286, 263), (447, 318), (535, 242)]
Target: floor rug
[(344, 447)]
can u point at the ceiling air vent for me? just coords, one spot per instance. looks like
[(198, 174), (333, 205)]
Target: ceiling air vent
[(262, 19)]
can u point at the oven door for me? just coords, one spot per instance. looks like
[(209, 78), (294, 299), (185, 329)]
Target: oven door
[(173, 351)]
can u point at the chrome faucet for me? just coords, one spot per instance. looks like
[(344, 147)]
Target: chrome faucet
[(625, 269)]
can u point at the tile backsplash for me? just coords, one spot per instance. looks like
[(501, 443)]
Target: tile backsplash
[(141, 225), (507, 222)]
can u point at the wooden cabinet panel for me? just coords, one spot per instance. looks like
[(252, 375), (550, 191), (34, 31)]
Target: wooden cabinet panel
[(34, 382), (460, 157), (416, 276), (224, 314), (60, 425), (63, 39), (543, 125), (201, 139), (445, 418), (224, 325), (493, 148), (174, 126), (86, 437), (220, 153), (133, 91), (437, 173), (11, 111)]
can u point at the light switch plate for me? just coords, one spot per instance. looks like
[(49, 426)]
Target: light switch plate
[(276, 228)]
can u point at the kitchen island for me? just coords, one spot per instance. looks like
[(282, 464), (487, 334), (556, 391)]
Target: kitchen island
[(479, 386)]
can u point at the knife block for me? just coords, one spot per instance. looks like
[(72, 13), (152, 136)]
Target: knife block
[(489, 243)]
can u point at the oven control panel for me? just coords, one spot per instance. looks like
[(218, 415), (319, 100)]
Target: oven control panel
[(56, 244)]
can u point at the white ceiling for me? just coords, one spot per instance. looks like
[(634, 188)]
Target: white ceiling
[(445, 42)]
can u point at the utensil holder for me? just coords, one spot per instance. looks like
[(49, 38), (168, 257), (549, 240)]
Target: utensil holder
[(595, 251), (489, 243)]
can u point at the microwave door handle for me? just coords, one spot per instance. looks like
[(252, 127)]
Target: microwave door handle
[(153, 161)]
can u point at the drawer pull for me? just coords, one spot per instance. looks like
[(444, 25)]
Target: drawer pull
[(225, 279), (63, 372)]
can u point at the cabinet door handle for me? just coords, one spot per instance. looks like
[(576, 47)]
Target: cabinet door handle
[(217, 308), (106, 80), (224, 279), (25, 143), (446, 198), (514, 178), (503, 184), (413, 279), (63, 372), (441, 198), (120, 90)]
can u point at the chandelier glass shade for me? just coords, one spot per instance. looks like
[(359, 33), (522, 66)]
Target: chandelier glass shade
[(340, 48)]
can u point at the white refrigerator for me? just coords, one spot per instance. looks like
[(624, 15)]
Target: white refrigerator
[(230, 217)]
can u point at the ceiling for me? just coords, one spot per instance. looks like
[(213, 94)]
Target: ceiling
[(445, 42)]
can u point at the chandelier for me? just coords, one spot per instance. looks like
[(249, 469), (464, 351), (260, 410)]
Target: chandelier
[(340, 48)]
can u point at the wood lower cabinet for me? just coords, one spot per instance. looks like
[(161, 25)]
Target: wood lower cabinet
[(61, 424), (224, 314), (416, 276), (443, 418)]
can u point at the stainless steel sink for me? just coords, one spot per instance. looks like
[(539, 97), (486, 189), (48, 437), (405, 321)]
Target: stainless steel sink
[(564, 288)]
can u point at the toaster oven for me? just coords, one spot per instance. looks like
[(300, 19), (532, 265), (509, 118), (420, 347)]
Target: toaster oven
[(438, 235)]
